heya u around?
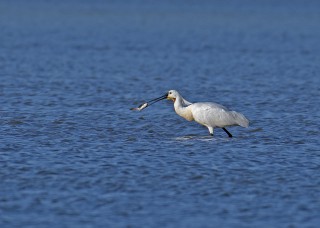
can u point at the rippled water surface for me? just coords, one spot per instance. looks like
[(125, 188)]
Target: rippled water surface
[(72, 154)]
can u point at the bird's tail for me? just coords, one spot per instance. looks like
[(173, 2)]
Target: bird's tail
[(240, 119)]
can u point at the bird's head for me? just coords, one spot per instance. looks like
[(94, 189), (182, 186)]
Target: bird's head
[(172, 95)]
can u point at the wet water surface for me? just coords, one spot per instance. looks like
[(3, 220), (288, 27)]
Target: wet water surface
[(72, 154)]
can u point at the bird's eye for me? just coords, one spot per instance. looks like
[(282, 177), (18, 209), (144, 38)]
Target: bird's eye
[(170, 92)]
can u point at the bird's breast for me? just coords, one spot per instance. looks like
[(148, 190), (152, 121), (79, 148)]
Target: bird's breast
[(185, 113), (189, 116)]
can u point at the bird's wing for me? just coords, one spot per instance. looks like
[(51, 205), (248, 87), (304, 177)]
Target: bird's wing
[(211, 114), (211, 106)]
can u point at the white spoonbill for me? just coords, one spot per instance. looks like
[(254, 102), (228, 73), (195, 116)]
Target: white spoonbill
[(208, 114)]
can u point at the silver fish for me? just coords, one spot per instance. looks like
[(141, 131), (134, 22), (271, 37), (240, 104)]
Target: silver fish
[(141, 107), (146, 104)]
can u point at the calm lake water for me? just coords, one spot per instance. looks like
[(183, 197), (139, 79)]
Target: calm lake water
[(72, 154)]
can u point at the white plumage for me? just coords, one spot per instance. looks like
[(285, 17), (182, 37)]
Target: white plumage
[(208, 114)]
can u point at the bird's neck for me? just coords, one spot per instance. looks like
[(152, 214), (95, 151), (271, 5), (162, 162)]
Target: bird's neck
[(181, 108), (181, 102)]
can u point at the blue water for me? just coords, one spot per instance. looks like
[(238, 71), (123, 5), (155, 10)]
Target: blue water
[(72, 154)]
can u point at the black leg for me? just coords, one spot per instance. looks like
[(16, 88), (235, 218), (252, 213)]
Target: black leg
[(229, 134)]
